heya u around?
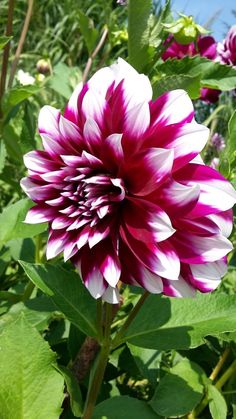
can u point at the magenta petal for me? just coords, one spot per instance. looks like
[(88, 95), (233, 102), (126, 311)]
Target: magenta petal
[(92, 134), (216, 193), (56, 243), (137, 120), (199, 249), (189, 142), (160, 259), (171, 108), (112, 152), (48, 122), (151, 169), (179, 288), (71, 111), (40, 214), (39, 162), (224, 221), (91, 275), (147, 222), (177, 199)]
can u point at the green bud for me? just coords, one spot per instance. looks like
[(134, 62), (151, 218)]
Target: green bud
[(184, 30)]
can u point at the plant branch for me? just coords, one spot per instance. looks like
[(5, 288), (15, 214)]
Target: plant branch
[(219, 364), (225, 377), (101, 365), (21, 42), (6, 52), (118, 338), (196, 412), (93, 55)]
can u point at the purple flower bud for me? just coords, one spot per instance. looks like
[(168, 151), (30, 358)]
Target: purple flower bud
[(122, 2), (218, 142), (215, 163)]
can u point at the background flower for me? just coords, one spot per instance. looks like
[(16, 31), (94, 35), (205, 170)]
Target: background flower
[(124, 195), (227, 49), (206, 47)]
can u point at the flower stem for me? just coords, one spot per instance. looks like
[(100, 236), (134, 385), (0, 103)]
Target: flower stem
[(118, 338), (101, 365), (21, 42), (227, 374), (94, 53), (219, 364), (222, 380), (6, 52)]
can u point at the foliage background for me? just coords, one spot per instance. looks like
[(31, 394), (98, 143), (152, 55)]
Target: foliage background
[(177, 358)]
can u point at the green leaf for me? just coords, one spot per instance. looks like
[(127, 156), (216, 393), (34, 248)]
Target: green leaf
[(231, 143), (37, 311), (179, 391), (211, 73), (189, 83), (147, 361), (3, 154), (12, 225), (62, 79), (30, 386), (67, 292), (27, 138), (138, 30), (217, 403), (16, 95), (88, 31), (123, 407), (76, 402), (12, 143), (172, 323), (4, 41)]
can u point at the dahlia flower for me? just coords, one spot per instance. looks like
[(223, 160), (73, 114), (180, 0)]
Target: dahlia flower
[(125, 193), (227, 49), (206, 47)]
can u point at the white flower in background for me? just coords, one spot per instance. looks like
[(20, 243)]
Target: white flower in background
[(25, 78)]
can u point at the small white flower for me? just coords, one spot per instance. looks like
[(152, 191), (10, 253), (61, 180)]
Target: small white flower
[(25, 78)]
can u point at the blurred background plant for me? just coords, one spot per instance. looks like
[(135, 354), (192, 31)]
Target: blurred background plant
[(65, 42)]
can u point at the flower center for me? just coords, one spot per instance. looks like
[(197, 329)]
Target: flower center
[(98, 196)]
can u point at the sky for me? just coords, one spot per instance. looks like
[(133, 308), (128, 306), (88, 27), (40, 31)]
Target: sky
[(204, 10)]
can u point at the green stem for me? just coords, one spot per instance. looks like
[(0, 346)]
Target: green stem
[(101, 365), (219, 384), (227, 374), (118, 338), (99, 318), (213, 115)]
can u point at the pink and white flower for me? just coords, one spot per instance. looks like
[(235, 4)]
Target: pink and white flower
[(227, 49), (124, 191)]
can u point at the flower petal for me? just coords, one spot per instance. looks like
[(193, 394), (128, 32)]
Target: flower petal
[(177, 199), (171, 108), (40, 214), (56, 243), (216, 193), (71, 111), (146, 221), (148, 171), (178, 288), (160, 259), (48, 122), (111, 295), (199, 249)]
